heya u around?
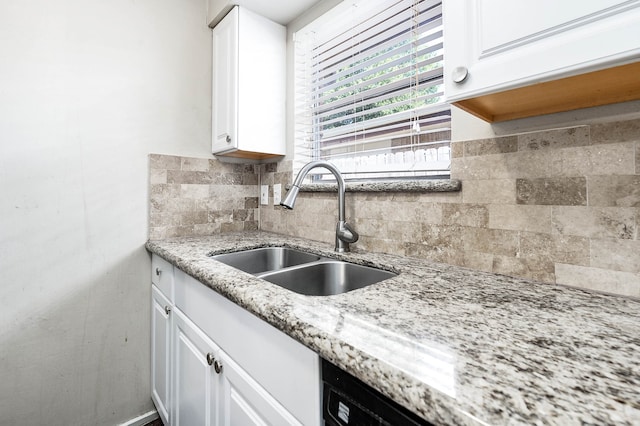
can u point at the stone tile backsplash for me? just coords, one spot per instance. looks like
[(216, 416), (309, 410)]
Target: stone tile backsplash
[(552, 191), (200, 196), (559, 206)]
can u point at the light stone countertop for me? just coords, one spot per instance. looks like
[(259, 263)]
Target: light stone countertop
[(453, 345)]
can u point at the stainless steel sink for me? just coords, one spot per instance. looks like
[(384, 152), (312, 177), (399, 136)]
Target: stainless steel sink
[(302, 272), (325, 278), (265, 259)]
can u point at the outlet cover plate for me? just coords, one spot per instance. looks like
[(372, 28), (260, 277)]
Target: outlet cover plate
[(277, 194), (264, 195)]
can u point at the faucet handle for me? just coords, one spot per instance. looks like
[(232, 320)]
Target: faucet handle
[(346, 233)]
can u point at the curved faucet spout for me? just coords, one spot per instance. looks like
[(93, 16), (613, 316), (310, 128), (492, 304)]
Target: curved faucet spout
[(345, 234), (290, 198)]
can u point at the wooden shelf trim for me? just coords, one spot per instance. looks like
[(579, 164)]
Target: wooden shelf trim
[(603, 87), (250, 155)]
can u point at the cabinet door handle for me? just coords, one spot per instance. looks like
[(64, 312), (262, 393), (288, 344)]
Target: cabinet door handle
[(210, 358), (167, 310), (459, 74), (217, 365), (158, 271), (228, 139)]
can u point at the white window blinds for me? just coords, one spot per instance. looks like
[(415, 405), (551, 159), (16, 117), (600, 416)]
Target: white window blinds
[(369, 90)]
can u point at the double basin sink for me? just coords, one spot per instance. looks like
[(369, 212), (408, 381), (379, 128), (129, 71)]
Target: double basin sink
[(302, 272)]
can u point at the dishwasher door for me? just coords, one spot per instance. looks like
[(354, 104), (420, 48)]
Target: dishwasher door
[(347, 401)]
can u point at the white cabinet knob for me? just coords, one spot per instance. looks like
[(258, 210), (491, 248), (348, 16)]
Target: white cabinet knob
[(459, 74)]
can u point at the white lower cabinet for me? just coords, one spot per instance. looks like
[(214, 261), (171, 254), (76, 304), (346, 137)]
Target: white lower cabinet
[(161, 352), (213, 363), (195, 381)]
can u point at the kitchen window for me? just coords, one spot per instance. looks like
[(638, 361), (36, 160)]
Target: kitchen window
[(369, 91)]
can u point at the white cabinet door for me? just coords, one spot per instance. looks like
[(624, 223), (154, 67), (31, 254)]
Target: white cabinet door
[(245, 403), (195, 381), (504, 44), (225, 84), (248, 86), (161, 353)]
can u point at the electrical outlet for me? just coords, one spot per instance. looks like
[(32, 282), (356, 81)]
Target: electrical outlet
[(277, 194), (264, 195)]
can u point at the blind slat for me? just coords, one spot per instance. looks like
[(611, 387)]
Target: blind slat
[(375, 38), (356, 117), (329, 37), (368, 89), (372, 94), (382, 124), (338, 79)]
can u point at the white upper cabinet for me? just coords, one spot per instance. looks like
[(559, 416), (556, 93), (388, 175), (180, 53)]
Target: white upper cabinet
[(494, 46), (249, 75)]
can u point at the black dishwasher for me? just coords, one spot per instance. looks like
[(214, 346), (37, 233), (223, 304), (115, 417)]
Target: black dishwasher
[(347, 401)]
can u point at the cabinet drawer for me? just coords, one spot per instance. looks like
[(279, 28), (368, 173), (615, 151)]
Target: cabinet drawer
[(162, 276)]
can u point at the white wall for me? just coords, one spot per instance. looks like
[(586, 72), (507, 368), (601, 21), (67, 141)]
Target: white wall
[(87, 89)]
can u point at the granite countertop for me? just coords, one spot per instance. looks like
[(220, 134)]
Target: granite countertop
[(453, 345), (420, 186)]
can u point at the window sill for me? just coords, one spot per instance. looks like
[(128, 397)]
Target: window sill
[(420, 186)]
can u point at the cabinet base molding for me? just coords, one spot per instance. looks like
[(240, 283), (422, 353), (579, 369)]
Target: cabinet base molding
[(604, 87), (142, 419)]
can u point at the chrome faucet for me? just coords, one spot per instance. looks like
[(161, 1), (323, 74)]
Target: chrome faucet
[(345, 234)]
